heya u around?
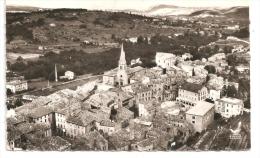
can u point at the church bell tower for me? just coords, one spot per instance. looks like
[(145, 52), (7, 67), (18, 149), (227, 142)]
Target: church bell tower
[(122, 77)]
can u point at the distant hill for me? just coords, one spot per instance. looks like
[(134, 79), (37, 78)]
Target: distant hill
[(168, 10), (234, 12), (209, 12), (237, 12), (21, 9)]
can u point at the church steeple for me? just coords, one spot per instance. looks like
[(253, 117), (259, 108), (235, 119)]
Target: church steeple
[(122, 56), (122, 62), (122, 76)]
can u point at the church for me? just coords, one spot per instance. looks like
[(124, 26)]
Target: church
[(121, 75)]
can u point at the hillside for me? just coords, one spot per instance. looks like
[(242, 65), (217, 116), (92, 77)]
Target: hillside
[(237, 12), (168, 10), (206, 12), (234, 12), (70, 25), (21, 9)]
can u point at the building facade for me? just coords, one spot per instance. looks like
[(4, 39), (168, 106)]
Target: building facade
[(201, 115), (17, 86), (229, 107), (189, 94), (165, 60)]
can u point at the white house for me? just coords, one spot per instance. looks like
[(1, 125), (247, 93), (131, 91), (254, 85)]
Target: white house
[(69, 75), (165, 60), (229, 107), (17, 86), (214, 94)]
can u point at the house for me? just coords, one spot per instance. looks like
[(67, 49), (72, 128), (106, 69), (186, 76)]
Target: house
[(214, 94), (132, 39), (229, 107), (165, 60), (123, 116), (96, 141), (121, 140), (17, 86), (18, 42), (242, 69), (41, 114), (190, 93), (201, 115), (107, 126), (19, 132), (55, 143), (69, 75), (82, 122), (143, 145), (200, 71), (142, 93), (186, 56), (29, 97), (98, 100), (216, 57), (187, 68)]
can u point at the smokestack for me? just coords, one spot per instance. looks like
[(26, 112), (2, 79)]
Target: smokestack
[(56, 75)]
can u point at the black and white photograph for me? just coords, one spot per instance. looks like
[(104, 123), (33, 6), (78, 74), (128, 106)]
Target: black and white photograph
[(128, 75)]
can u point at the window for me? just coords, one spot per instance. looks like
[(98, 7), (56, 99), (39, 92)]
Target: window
[(193, 122)]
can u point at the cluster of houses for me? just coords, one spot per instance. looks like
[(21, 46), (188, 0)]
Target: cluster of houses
[(132, 108), (15, 82)]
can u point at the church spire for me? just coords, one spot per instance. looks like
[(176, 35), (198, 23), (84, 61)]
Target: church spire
[(122, 56)]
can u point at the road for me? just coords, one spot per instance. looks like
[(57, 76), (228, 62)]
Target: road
[(63, 85)]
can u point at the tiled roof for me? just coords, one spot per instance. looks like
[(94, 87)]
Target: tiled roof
[(55, 143), (40, 111), (141, 88), (192, 87)]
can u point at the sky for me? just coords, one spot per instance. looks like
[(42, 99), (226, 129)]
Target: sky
[(125, 4)]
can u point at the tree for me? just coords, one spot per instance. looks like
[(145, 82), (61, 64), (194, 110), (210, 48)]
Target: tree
[(140, 39), (18, 103), (9, 92), (232, 91), (216, 48), (20, 59), (210, 68), (227, 49), (40, 22)]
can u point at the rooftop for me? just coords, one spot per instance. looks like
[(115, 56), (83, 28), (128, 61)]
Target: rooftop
[(231, 100), (193, 87), (40, 111), (201, 108), (141, 88), (129, 71), (164, 55), (55, 144), (16, 82)]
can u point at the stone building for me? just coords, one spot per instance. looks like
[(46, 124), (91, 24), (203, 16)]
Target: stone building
[(190, 93), (201, 115)]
